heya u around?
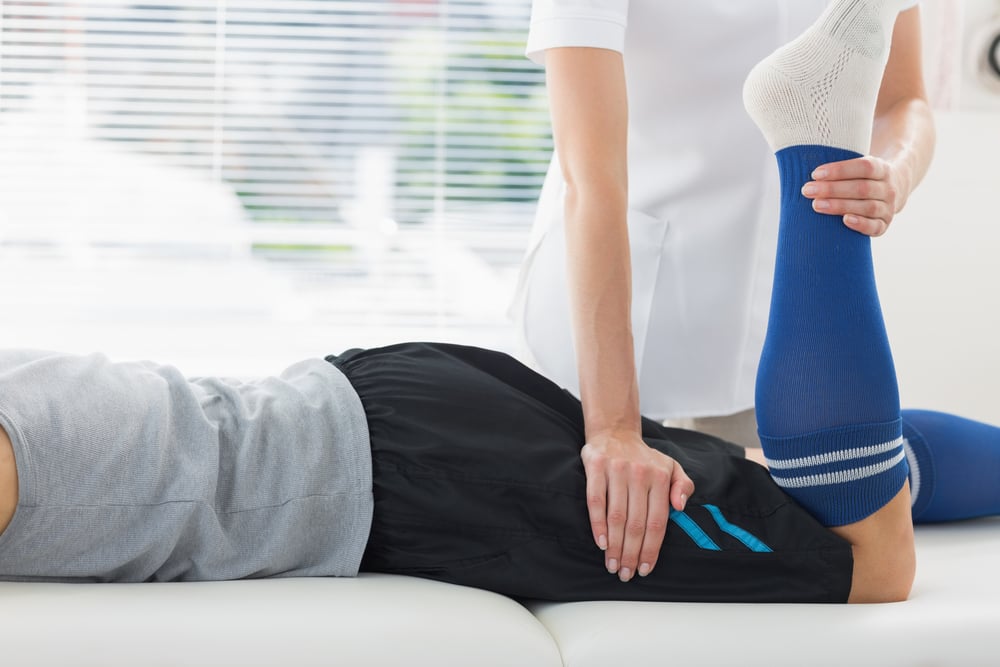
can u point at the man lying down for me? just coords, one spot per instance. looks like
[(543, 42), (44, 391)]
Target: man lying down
[(440, 461)]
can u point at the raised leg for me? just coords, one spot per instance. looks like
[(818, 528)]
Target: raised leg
[(827, 400)]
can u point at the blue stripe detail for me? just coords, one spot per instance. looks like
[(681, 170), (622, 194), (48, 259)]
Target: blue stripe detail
[(752, 542), (693, 530)]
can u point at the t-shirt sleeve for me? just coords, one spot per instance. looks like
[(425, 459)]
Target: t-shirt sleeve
[(594, 23)]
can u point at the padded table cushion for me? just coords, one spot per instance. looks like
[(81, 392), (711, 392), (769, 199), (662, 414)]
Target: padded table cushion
[(951, 619), (371, 620)]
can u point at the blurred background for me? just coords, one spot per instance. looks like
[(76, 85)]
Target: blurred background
[(937, 268), (230, 185), (233, 185)]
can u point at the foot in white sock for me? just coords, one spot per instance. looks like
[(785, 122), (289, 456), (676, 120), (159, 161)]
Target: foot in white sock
[(821, 88)]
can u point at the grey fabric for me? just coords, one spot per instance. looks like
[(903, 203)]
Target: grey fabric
[(132, 472), (739, 428)]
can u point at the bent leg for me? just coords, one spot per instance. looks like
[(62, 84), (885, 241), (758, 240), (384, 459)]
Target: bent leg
[(827, 400), (478, 481)]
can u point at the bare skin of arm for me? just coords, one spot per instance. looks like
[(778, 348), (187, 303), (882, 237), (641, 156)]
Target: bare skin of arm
[(630, 486), (869, 191), (8, 481)]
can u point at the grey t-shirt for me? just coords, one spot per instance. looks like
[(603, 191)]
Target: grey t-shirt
[(133, 472)]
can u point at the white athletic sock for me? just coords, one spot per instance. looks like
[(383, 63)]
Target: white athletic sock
[(821, 88)]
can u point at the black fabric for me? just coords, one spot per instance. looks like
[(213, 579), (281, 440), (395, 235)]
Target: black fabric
[(478, 481)]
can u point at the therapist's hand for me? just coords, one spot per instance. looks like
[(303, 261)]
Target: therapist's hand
[(867, 192), (630, 489)]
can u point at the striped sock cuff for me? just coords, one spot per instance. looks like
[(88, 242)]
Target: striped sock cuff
[(840, 475), (921, 463)]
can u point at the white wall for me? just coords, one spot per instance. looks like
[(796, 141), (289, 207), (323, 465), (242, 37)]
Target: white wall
[(939, 274), (938, 268)]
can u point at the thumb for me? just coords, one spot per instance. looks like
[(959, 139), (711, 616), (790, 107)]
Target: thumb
[(681, 488)]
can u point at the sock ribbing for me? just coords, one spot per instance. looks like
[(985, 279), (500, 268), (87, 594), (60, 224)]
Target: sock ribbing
[(956, 471)]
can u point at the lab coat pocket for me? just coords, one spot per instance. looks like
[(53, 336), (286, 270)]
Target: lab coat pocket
[(646, 236)]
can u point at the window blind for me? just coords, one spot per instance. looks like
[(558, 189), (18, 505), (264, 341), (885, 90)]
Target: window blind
[(368, 154)]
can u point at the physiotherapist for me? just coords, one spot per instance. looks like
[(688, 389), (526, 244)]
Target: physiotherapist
[(647, 281)]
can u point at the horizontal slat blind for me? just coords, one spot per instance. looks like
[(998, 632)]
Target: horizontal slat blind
[(348, 139)]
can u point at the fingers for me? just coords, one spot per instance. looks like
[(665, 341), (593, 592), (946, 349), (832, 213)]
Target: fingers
[(597, 495), (629, 497), (861, 191), (656, 527), (636, 520), (618, 504), (652, 491), (607, 503), (871, 217), (835, 203), (866, 168), (855, 190), (681, 488), (866, 226)]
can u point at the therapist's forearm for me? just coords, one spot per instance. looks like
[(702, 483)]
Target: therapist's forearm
[(600, 297), (903, 131), (904, 136), (589, 106)]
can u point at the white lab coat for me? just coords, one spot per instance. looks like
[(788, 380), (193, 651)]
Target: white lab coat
[(703, 198)]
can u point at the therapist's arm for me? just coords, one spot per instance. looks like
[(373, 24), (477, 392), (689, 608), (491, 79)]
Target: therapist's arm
[(630, 486), (868, 192)]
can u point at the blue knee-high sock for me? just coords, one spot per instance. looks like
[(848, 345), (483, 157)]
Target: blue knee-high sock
[(954, 466), (827, 399)]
